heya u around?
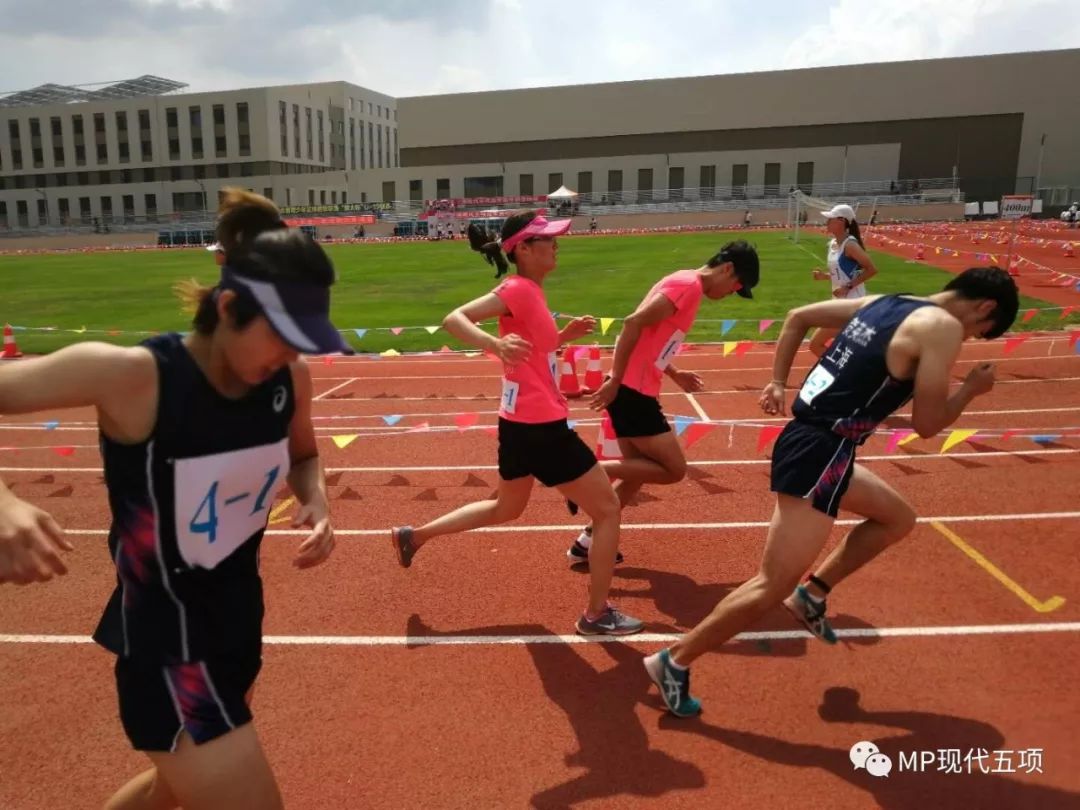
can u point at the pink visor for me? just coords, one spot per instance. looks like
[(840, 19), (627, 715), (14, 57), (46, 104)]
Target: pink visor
[(540, 226)]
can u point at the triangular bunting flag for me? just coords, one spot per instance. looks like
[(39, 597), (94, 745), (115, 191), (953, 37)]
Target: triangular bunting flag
[(446, 350), (431, 330), (898, 435), (1065, 313), (328, 360), (682, 423), (1074, 337), (360, 333), (51, 425), (696, 432), (742, 347), (729, 347), (1046, 438), (1031, 313), (1008, 434), (956, 437), (727, 326), (423, 426), (763, 326), (397, 330), (344, 441), (79, 331), (1013, 342), (392, 419), (64, 451), (767, 435), (466, 420), (390, 353), (605, 324)]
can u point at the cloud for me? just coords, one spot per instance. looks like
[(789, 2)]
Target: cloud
[(407, 48)]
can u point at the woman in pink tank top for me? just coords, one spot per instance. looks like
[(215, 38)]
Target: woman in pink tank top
[(650, 339), (535, 441)]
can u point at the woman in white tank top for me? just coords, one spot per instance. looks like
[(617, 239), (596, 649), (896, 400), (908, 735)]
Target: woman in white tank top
[(849, 265)]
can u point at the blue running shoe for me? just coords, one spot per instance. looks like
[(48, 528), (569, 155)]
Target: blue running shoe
[(674, 685), (811, 612)]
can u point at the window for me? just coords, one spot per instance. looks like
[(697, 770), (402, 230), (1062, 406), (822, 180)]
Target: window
[(121, 121), (525, 185), (174, 148), (64, 207), (219, 146), (147, 150), (144, 120), (416, 190), (43, 211), (371, 143), (322, 197), (106, 208), (554, 181), (296, 130), (99, 123), (39, 157), (484, 186), (772, 179), (676, 182), (125, 154), (245, 145), (58, 155), (322, 139), (389, 191), (614, 181), (707, 182), (352, 141), (171, 118), (804, 177), (150, 200), (442, 188), (80, 155), (22, 212), (128, 206), (102, 154), (195, 119), (219, 115), (584, 182), (283, 126), (310, 151), (739, 177), (311, 196), (645, 185), (378, 132), (54, 122), (35, 128), (77, 125)]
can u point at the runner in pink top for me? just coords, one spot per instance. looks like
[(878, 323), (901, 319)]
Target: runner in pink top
[(650, 338), (531, 388), (535, 441)]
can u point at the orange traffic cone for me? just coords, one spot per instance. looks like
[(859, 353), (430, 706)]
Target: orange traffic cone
[(11, 351), (594, 374), (607, 443), (568, 383)]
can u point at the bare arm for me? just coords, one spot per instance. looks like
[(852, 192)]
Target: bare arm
[(825, 314), (867, 270), (120, 383), (306, 478), (648, 313), (461, 323), (933, 409)]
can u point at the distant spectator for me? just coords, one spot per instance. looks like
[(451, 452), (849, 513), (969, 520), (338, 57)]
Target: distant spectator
[(747, 218)]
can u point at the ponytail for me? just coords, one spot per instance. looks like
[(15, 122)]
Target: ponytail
[(487, 244), (853, 229)]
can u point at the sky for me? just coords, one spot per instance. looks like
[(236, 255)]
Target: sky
[(449, 46)]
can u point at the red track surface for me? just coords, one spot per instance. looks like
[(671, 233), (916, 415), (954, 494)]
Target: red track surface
[(376, 722)]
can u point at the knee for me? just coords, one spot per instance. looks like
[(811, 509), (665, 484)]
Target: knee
[(903, 524), (505, 511), (677, 471), (605, 508)]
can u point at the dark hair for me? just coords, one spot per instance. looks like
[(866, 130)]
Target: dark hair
[(994, 284), (490, 248), (741, 254), (257, 245), (853, 229)]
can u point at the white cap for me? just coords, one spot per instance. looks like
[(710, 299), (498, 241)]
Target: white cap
[(845, 211), (214, 248)]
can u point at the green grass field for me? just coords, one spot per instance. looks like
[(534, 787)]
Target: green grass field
[(416, 284)]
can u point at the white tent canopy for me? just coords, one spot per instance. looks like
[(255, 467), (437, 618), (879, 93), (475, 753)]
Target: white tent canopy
[(562, 193)]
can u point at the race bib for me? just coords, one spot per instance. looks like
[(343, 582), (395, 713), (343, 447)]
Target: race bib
[(223, 499), (818, 381), (671, 348), (510, 395)]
